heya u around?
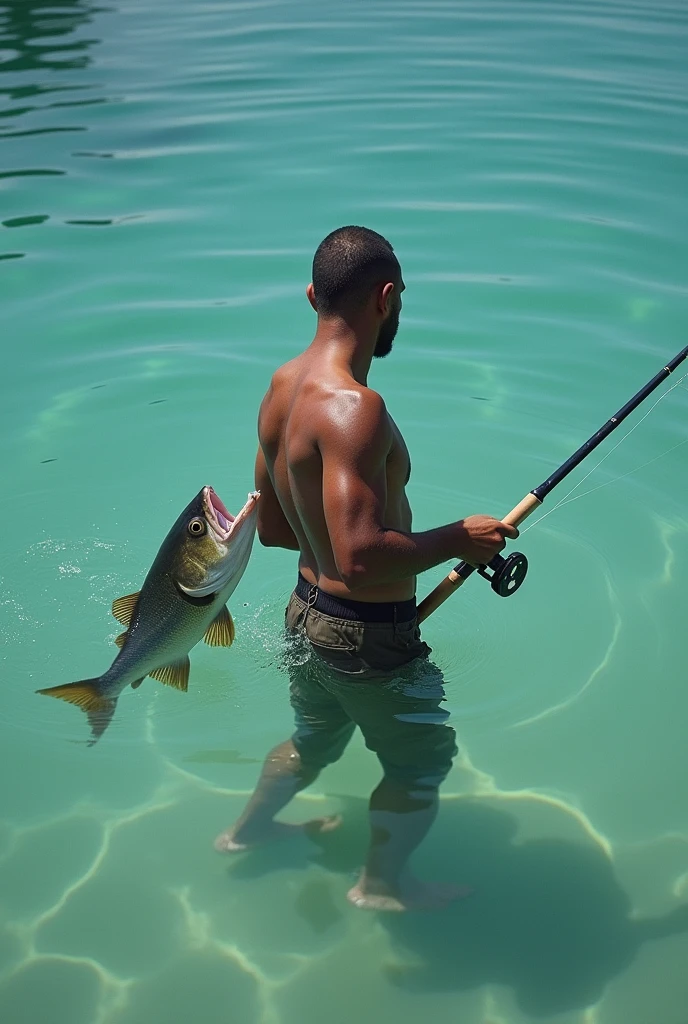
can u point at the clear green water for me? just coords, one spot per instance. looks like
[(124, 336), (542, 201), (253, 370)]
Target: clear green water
[(167, 170)]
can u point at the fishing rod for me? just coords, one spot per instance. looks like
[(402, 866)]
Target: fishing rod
[(506, 575)]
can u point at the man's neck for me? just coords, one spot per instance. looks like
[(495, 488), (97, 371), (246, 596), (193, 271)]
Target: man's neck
[(349, 344)]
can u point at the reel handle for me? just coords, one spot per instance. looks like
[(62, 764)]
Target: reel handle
[(507, 573)]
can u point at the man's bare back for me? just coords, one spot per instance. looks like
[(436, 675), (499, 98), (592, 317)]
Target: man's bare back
[(313, 408)]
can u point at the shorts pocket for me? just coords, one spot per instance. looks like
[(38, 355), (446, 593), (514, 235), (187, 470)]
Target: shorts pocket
[(294, 613), (333, 634)]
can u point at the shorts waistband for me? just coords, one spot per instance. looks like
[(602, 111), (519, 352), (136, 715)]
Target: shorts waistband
[(363, 611)]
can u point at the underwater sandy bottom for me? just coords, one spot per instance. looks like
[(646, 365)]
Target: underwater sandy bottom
[(123, 913)]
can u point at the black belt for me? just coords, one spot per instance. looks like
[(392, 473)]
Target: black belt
[(363, 611)]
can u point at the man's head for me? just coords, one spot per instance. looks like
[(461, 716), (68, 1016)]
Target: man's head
[(355, 272)]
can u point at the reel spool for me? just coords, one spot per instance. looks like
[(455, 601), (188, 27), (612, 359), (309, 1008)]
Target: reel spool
[(507, 574)]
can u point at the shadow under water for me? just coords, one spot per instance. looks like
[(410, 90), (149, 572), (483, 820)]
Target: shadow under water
[(547, 919)]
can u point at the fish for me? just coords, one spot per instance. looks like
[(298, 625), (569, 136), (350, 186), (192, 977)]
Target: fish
[(183, 600)]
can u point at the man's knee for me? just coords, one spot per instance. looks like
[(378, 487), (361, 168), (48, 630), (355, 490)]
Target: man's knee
[(319, 748), (422, 765), (285, 761), (403, 795)]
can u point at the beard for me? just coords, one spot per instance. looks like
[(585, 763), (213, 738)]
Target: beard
[(386, 336)]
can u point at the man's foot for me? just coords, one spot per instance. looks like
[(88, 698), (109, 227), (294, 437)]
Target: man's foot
[(409, 895), (237, 839)]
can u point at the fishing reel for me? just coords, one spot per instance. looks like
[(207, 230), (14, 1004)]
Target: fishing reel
[(507, 574)]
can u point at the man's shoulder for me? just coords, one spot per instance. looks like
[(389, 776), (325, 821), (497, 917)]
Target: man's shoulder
[(341, 398), (352, 417), (285, 374), (330, 394), (280, 392), (326, 406)]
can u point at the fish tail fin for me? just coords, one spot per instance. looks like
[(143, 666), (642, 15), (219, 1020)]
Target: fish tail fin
[(87, 695)]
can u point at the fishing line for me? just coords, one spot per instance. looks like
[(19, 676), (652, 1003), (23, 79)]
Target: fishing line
[(506, 575), (605, 484), (567, 499)]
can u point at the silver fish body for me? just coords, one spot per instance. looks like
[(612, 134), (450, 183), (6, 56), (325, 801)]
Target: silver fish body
[(182, 600)]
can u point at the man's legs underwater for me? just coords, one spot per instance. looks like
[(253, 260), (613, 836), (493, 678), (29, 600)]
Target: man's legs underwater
[(400, 818), (323, 730), (283, 776), (404, 722)]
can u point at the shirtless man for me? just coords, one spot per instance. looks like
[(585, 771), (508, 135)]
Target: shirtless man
[(332, 469)]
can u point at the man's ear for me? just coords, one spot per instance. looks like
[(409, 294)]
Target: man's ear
[(310, 295), (386, 298)]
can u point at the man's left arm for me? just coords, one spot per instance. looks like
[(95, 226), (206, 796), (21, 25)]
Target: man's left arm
[(274, 530)]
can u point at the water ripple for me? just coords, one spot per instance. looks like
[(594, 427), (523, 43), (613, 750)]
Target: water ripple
[(528, 161)]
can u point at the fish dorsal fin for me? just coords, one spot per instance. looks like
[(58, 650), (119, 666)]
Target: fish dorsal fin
[(123, 607), (176, 674), (122, 638), (220, 632)]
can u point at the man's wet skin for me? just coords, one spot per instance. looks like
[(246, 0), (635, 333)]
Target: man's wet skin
[(332, 468)]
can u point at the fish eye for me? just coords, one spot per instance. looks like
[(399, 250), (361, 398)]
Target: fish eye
[(197, 527)]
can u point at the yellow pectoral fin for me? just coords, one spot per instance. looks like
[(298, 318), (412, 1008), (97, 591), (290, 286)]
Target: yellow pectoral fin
[(123, 607), (221, 632), (176, 674), (122, 638)]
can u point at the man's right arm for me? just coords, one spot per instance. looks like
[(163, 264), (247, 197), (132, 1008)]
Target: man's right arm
[(354, 447)]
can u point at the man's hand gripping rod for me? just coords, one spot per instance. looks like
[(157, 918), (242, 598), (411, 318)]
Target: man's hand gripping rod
[(508, 574)]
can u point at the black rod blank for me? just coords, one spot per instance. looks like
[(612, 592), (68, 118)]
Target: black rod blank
[(598, 437)]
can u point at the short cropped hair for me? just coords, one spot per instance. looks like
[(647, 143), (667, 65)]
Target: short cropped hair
[(347, 265)]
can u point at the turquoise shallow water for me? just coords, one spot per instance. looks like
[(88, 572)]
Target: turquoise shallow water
[(167, 171)]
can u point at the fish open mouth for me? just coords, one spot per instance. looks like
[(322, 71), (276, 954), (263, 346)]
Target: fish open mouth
[(222, 522)]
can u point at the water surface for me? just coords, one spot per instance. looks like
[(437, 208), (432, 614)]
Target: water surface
[(167, 171)]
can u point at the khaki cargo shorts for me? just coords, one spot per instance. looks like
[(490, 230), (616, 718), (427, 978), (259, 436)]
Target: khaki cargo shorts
[(375, 675)]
